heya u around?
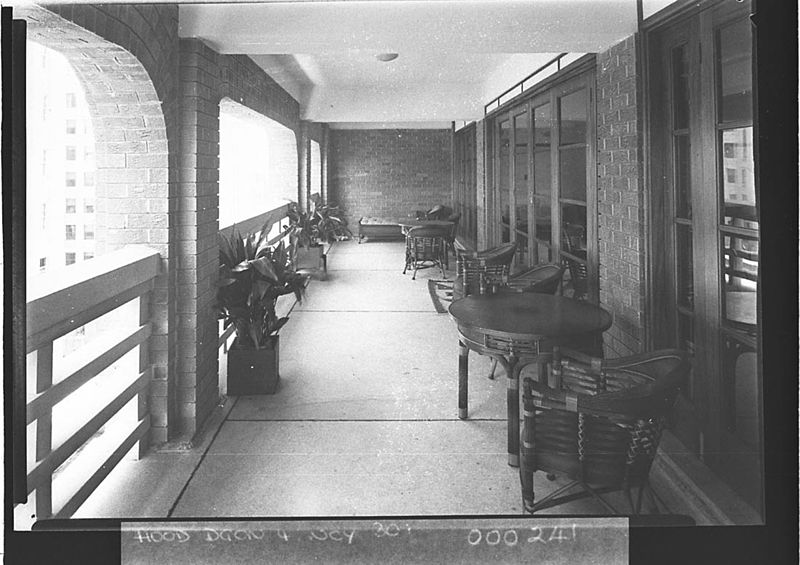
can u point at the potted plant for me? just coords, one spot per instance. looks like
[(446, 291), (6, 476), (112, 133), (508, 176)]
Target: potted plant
[(321, 224), (252, 278)]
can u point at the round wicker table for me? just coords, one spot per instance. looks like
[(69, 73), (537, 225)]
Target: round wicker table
[(518, 330)]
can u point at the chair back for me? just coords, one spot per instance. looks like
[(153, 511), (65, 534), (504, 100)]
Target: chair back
[(426, 243), (493, 264), (603, 421), (542, 279), (578, 272), (454, 218)]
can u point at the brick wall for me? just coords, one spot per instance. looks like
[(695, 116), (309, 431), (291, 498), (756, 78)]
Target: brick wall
[(620, 197), (205, 78), (126, 59), (389, 172)]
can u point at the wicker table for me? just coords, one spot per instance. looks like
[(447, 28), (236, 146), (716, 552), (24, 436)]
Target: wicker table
[(516, 330)]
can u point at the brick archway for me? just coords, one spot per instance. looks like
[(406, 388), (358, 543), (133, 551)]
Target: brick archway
[(133, 168)]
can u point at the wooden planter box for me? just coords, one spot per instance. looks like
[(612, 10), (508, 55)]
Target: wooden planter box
[(253, 371), (312, 260)]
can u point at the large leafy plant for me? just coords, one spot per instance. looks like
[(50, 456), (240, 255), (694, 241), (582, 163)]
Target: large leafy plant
[(321, 224), (252, 277)]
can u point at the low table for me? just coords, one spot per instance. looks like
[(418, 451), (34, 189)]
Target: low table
[(518, 330), (379, 228)]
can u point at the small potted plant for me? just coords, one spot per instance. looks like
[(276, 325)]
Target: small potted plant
[(253, 276)]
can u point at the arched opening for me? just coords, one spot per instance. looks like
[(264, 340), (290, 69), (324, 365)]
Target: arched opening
[(98, 181)]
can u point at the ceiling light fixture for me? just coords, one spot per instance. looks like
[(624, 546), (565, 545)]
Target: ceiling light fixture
[(386, 57)]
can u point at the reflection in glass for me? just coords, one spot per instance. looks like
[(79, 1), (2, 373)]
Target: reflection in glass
[(741, 402), (572, 122), (573, 173), (542, 178), (680, 91), (740, 280), (738, 178), (683, 188), (573, 221), (684, 259), (734, 52)]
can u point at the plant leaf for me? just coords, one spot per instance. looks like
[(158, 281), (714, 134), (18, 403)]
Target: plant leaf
[(265, 268)]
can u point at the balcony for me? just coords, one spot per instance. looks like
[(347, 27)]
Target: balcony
[(364, 422)]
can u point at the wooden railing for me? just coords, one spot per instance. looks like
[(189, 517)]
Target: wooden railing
[(56, 306), (279, 218)]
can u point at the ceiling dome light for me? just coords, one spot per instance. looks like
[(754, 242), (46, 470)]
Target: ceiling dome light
[(386, 57)]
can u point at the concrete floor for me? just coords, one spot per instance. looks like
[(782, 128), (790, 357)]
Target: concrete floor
[(364, 422)]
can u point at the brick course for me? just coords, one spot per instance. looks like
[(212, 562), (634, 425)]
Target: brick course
[(620, 197), (389, 172)]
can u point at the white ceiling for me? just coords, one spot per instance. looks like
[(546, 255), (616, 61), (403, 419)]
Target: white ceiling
[(454, 55)]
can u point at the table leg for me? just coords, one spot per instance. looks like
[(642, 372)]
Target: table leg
[(512, 374), (463, 368)]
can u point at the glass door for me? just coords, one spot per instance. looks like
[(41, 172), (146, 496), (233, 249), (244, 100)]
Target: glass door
[(705, 244), (542, 183), (521, 190), (503, 172)]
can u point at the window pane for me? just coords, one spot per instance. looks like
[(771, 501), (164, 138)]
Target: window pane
[(542, 220), (740, 372), (680, 88), (545, 253), (736, 79), (739, 190), (740, 280), (573, 220), (521, 172), (541, 126), (502, 172), (572, 122), (683, 188), (684, 259), (686, 343), (542, 177), (572, 167), (522, 249)]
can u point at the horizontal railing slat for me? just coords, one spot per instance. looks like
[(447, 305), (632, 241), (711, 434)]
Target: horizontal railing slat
[(44, 403), (56, 301), (256, 222), (37, 339), (83, 493), (45, 468)]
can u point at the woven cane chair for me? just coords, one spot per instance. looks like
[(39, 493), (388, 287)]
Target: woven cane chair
[(425, 247), (543, 279), (599, 426), (578, 272), (491, 266)]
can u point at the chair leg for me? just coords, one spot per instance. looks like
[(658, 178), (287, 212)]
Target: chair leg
[(414, 276), (493, 367), (526, 484)]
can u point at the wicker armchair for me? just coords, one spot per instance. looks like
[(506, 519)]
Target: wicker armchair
[(600, 425), (435, 213), (425, 247), (491, 265)]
